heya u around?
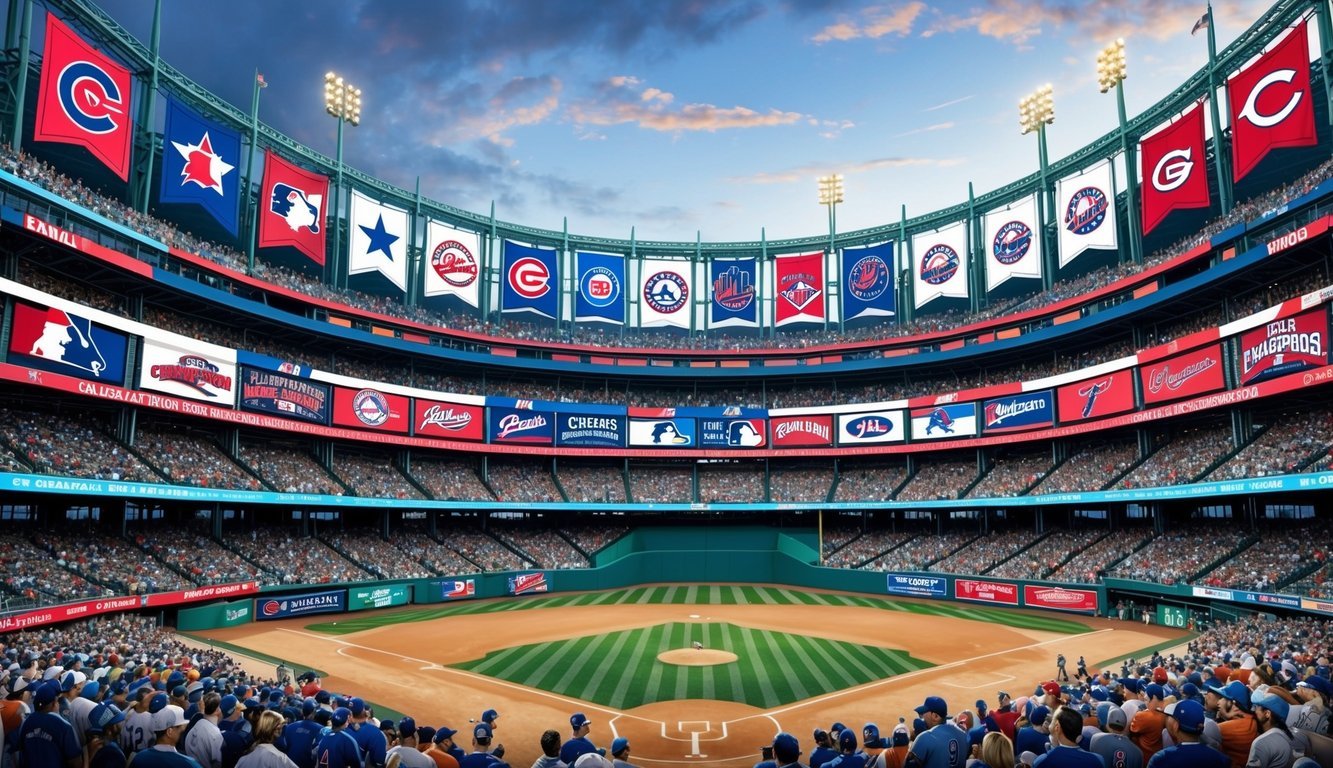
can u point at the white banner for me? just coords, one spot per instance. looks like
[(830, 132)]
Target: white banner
[(377, 240), (453, 263), (940, 264), (204, 372), (1085, 212), (1013, 242), (871, 427), (665, 293)]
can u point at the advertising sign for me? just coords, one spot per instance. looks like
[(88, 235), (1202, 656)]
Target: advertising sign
[(211, 592), (447, 589), (915, 585), (1193, 373), (512, 425), (1284, 346), (284, 395), (731, 433), (789, 431), (528, 583), (1097, 397), (944, 421), (63, 342), (1029, 410), (362, 598), (192, 373), (1001, 593), (1060, 598), (872, 427), (371, 409), (453, 421), (662, 433), (580, 429), (268, 608)]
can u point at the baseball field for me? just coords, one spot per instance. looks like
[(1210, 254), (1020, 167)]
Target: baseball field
[(767, 659)]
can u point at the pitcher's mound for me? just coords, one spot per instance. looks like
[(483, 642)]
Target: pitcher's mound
[(689, 657)]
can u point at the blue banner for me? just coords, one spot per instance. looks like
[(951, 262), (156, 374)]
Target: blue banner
[(916, 585), (735, 294), (201, 164), (1015, 412), (867, 282), (283, 395), (578, 429), (333, 601), (515, 425), (732, 433), (529, 280), (601, 289), (63, 342), (256, 360)]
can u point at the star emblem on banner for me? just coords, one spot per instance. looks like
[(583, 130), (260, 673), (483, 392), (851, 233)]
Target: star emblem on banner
[(380, 238), (203, 166)]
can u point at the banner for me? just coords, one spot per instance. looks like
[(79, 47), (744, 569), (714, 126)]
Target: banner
[(62, 342), (867, 279), (84, 99), (662, 433), (1030, 410), (205, 373), (601, 291), (199, 162), (55, 614), (735, 294), (378, 240), (511, 425), (531, 280), (941, 264), (452, 421), (665, 294), (448, 589), (528, 583), (209, 592), (1182, 376), (371, 409), (364, 598), (1173, 168), (283, 395), (1271, 103), (1097, 397), (943, 421), (731, 433), (1085, 210), (916, 586), (1284, 346), (453, 263), (1013, 247), (872, 427), (799, 289), (1060, 598), (578, 429), (985, 591), (790, 431), (267, 609), (291, 208)]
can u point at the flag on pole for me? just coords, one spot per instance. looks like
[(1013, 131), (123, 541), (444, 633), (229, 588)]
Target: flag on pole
[(291, 208), (199, 160), (1203, 23), (453, 259), (1272, 104), (379, 240)]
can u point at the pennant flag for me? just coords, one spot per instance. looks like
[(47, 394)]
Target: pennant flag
[(453, 263), (601, 293), (1271, 104), (867, 280), (84, 99), (941, 264), (1204, 21), (665, 295), (1013, 245), (378, 241), (531, 280), (1085, 211), (199, 160), (735, 300), (1173, 169), (292, 208), (799, 284)]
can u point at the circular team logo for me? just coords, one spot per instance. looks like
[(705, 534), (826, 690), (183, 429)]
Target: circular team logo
[(600, 287), (454, 263), (1012, 242), (90, 97), (665, 292), (1086, 211), (371, 407), (939, 264), (271, 607), (870, 278), (529, 277)]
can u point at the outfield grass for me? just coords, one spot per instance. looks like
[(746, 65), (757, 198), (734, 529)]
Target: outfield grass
[(621, 670)]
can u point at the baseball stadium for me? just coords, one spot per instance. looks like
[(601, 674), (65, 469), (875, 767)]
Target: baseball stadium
[(289, 453)]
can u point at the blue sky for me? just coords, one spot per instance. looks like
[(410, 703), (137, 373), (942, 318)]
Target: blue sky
[(677, 116)]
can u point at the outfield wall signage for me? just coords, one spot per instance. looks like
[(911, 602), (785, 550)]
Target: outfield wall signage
[(673, 432), (915, 585), (283, 395), (1060, 598), (85, 608), (1000, 593), (204, 372), (1284, 346), (362, 598), (268, 608), (528, 584), (238, 613), (444, 590), (212, 592)]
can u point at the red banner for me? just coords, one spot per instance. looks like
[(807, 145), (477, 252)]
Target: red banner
[(449, 420), (1298, 236), (84, 99), (1174, 172), (1094, 398), (1272, 105), (292, 208), (800, 289), (212, 592), (87, 608), (801, 430), (1186, 375), (999, 592), (1284, 346), (371, 409), (1060, 598)]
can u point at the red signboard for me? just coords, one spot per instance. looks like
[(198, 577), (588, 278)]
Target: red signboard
[(1284, 346), (211, 592), (86, 608), (801, 430), (450, 420), (1060, 598), (1185, 375), (371, 409), (999, 592), (1097, 397)]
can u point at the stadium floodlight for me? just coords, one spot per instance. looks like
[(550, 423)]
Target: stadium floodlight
[(342, 101), (830, 194), (1035, 112), (1111, 65), (1111, 73)]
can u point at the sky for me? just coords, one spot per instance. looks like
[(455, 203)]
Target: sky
[(677, 117)]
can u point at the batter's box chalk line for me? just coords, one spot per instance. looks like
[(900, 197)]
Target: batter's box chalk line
[(707, 726)]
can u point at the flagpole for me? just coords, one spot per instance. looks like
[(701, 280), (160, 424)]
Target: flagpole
[(21, 86), (562, 293), (145, 188), (763, 271), (975, 295), (695, 300), (417, 279), (1326, 45), (906, 310), (252, 211), (1223, 164)]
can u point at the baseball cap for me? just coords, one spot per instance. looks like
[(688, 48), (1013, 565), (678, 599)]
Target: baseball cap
[(819, 735), (340, 716), (1154, 691), (169, 716), (620, 744), (179, 692), (1236, 692), (578, 720), (445, 732), (900, 738), (253, 703), (1188, 714), (18, 684), (1159, 675), (870, 736), (175, 678), (357, 706), (156, 703), (786, 745), (425, 734), (1272, 703), (104, 716), (981, 706), (407, 727), (90, 690), (230, 704), (934, 704), (1131, 684), (1038, 715), (1318, 683), (71, 680), (1002, 695), (308, 705), (322, 696), (46, 693), (482, 731), (490, 716), (1189, 691), (847, 739), (1051, 688)]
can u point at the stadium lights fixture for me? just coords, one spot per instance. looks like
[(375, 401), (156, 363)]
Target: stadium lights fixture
[(830, 189), (1111, 69), (1036, 109), (342, 99)]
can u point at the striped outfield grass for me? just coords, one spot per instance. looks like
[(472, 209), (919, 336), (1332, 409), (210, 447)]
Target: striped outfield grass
[(620, 669), (704, 594)]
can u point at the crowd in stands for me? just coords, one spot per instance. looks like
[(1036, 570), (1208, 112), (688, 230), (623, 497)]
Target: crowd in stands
[(523, 481), (71, 445), (868, 483), (451, 480), (918, 553), (1275, 558), (939, 479), (737, 484), (593, 484), (1178, 554), (593, 537), (986, 552), (1091, 469), (1181, 460), (866, 547), (654, 484), (1012, 476), (807, 484), (288, 469), (1287, 446), (484, 550), (192, 459), (835, 534), (374, 476), (367, 549), (1046, 555), (415, 541), (291, 558), (110, 561), (1088, 565), (184, 550), (546, 547), (33, 574)]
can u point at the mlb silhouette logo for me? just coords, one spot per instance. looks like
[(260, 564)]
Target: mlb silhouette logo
[(62, 342), (745, 434), (299, 210)]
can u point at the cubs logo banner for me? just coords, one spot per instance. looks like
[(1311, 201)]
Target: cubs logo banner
[(664, 296), (867, 280), (941, 264), (1284, 346), (529, 280), (872, 427), (199, 162), (662, 433), (1012, 245), (1173, 170), (512, 425), (195, 370), (581, 429), (1096, 397), (731, 433), (799, 285), (601, 288), (291, 208), (84, 99), (453, 263), (452, 421), (1193, 373), (1271, 103), (803, 431), (371, 409), (64, 342), (1030, 410), (735, 293), (942, 422), (378, 240), (1085, 212)]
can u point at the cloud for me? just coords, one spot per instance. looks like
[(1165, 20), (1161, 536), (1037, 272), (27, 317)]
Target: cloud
[(620, 100), (814, 170), (875, 22), (949, 103), (926, 129)]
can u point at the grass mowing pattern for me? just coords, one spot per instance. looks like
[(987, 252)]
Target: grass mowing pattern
[(620, 669), (704, 594)]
